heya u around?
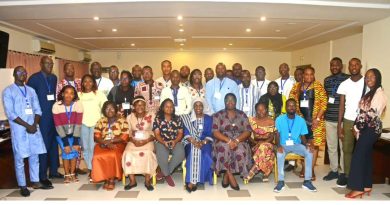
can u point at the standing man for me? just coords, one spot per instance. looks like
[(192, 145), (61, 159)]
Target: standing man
[(237, 72), (298, 75), (261, 83), (218, 87), (114, 75), (137, 75), (166, 68), (22, 108), (247, 95), (184, 73), (331, 84), (103, 83), (350, 91), (285, 82), (208, 74), (44, 83)]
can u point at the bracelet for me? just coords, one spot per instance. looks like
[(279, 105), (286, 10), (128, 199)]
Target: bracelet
[(237, 140)]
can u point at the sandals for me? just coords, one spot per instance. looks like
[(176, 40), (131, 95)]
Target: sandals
[(67, 178), (249, 177), (105, 184), (74, 178), (111, 185)]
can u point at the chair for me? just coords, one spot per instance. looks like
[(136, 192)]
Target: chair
[(153, 179), (183, 166), (289, 156)]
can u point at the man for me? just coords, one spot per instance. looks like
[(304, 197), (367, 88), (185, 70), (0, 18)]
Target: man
[(114, 75), (237, 69), (331, 84), (285, 82), (350, 91), (247, 95), (178, 94), (290, 138), (137, 75), (23, 111), (184, 73), (298, 75), (150, 90), (166, 68), (229, 74), (44, 83), (208, 74), (104, 84), (218, 87), (261, 83)]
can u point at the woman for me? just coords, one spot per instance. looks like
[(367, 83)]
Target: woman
[(168, 130), (198, 146), (92, 101), (138, 157), (231, 152), (313, 101), (367, 129), (111, 134), (262, 140), (197, 90), (67, 115), (274, 101), (123, 94)]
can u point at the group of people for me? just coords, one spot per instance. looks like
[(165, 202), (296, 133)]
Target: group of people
[(130, 124)]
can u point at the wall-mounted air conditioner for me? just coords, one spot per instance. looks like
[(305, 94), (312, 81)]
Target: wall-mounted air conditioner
[(43, 47), (85, 57)]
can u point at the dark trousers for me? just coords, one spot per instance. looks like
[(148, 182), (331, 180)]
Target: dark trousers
[(50, 158), (360, 175)]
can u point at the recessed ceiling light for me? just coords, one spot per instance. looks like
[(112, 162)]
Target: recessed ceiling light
[(181, 30), (248, 30), (133, 44), (179, 17), (277, 30), (263, 18), (99, 30), (96, 18), (230, 44), (182, 44), (114, 30)]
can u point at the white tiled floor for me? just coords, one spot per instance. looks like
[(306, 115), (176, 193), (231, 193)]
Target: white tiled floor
[(257, 191)]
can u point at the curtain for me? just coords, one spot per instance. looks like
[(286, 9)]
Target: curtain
[(29, 61), (80, 68)]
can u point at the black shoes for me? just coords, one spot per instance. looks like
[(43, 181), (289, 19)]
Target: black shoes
[(43, 184), (129, 186), (58, 176), (342, 181), (237, 188), (289, 168), (331, 175), (24, 191), (149, 187)]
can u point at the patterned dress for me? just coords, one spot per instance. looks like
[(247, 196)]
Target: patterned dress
[(238, 160), (106, 163), (264, 154), (320, 102)]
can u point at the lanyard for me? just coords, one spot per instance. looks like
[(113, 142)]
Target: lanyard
[(334, 86), (24, 94), (221, 84), (257, 82), (174, 93), (290, 128), (282, 84), (304, 90), (47, 82), (69, 83), (246, 95), (99, 82), (69, 114)]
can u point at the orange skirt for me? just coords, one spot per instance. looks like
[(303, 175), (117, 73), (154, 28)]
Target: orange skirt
[(106, 163)]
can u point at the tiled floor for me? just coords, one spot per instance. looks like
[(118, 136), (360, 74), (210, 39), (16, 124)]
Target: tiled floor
[(255, 190)]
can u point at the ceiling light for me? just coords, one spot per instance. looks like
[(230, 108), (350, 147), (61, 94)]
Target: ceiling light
[(182, 44), (291, 23), (96, 18), (277, 30), (181, 25), (230, 44), (181, 30), (263, 18), (114, 30), (179, 17), (133, 44), (99, 30), (224, 49), (248, 30)]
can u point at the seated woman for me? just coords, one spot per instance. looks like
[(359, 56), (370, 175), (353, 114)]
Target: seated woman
[(274, 101), (262, 140), (231, 152), (138, 157), (111, 134), (168, 130), (198, 146)]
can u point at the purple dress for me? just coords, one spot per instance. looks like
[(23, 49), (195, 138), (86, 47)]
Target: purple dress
[(238, 160)]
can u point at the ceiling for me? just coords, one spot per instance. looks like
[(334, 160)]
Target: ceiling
[(146, 25)]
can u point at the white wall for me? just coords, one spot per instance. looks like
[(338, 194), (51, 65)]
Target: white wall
[(194, 59)]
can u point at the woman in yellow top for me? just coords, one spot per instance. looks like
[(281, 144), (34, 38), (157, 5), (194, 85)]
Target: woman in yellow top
[(312, 100)]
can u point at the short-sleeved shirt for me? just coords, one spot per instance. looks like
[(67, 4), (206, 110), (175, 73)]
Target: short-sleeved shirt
[(331, 84), (231, 128), (353, 93), (297, 125), (168, 129)]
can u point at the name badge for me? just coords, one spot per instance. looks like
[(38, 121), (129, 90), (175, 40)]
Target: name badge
[(246, 108), (289, 142), (28, 111), (50, 97), (157, 97), (331, 100), (139, 135), (109, 135), (126, 105), (304, 103), (200, 127), (217, 95)]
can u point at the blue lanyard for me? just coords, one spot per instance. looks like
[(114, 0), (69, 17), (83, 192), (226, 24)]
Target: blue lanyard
[(24, 94), (174, 93), (221, 84), (47, 82), (69, 83), (304, 90), (282, 84), (290, 128), (99, 82), (69, 114)]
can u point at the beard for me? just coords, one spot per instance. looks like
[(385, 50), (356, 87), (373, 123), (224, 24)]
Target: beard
[(185, 76)]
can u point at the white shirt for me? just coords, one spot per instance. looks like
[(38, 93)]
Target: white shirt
[(261, 87), (247, 99), (104, 85), (285, 86), (184, 103), (165, 83), (353, 93)]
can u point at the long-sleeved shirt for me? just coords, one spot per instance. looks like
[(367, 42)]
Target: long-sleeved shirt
[(68, 121), (216, 91), (181, 99), (104, 85), (261, 87), (92, 104), (247, 99)]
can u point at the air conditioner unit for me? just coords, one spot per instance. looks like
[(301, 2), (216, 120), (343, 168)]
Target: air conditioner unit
[(43, 47), (85, 57)]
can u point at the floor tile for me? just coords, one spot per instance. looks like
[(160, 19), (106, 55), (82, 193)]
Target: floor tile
[(171, 199), (16, 193), (55, 199), (340, 190), (387, 194), (127, 194), (90, 187), (241, 193), (294, 185), (286, 198)]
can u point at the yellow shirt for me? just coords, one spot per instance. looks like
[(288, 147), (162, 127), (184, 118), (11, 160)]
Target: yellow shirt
[(92, 104)]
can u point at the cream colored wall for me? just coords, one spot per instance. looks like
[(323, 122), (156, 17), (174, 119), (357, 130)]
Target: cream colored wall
[(376, 54), (194, 59), (347, 48)]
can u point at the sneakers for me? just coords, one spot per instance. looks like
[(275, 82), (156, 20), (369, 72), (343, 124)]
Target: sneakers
[(331, 175), (170, 181), (279, 187), (24, 191), (309, 186), (342, 181)]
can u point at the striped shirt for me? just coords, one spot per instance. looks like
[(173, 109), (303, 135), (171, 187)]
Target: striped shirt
[(247, 99), (68, 121), (331, 84)]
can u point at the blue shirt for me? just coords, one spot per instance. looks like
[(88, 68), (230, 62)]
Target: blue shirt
[(224, 87), (297, 125)]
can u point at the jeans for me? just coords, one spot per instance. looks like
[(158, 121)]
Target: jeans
[(88, 144), (298, 149)]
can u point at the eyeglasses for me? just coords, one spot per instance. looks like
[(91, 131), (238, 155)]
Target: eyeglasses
[(21, 73)]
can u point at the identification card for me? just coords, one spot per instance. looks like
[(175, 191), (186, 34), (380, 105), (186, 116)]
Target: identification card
[(126, 106), (109, 135), (139, 135), (304, 103), (331, 100), (217, 95), (50, 97), (246, 109), (28, 111), (157, 97), (289, 142), (200, 127)]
